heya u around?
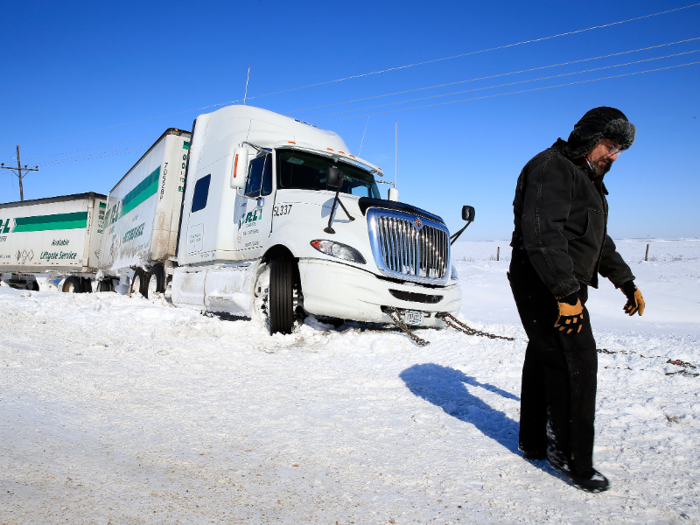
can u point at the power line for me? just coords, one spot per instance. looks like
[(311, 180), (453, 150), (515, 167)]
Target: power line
[(94, 147), (506, 46), (99, 155), (542, 39), (491, 76), (502, 85), (510, 93)]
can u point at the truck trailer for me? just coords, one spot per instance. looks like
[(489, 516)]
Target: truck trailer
[(50, 242), (143, 217)]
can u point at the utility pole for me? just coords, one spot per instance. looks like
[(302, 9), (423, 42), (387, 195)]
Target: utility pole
[(19, 169)]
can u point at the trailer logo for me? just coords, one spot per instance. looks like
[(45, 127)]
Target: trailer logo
[(49, 256), (6, 226), (134, 232), (24, 256)]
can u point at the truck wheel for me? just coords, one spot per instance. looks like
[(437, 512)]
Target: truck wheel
[(72, 285), (137, 282), (86, 286), (281, 299), (155, 281)]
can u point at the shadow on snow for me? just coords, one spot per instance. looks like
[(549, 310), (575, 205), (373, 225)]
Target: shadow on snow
[(447, 388)]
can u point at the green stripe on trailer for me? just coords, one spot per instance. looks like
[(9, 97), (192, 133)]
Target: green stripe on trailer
[(186, 145), (145, 189), (59, 221), (103, 205)]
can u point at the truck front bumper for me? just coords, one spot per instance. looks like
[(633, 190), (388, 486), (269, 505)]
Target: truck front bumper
[(338, 290)]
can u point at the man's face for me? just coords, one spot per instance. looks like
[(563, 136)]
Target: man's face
[(601, 157)]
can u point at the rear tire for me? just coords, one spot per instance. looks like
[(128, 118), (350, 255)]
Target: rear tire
[(154, 281), (72, 285), (138, 282), (105, 285), (281, 300)]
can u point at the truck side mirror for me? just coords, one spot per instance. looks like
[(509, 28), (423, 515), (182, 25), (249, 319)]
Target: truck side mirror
[(468, 213), (393, 195), (239, 170), (334, 178), (467, 216)]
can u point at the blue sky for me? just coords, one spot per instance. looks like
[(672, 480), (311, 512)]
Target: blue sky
[(130, 70)]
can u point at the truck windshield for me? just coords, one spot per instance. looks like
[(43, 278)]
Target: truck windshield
[(301, 170)]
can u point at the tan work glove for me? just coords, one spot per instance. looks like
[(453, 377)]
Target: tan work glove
[(570, 320), (635, 301)]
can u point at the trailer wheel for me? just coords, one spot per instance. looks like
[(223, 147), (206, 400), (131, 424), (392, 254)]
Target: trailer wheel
[(72, 285), (155, 281), (86, 285), (105, 285), (281, 298), (137, 282)]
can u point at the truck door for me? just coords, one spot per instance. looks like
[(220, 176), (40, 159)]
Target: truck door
[(254, 208)]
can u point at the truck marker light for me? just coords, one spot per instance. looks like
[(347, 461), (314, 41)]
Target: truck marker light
[(291, 142), (341, 152), (235, 166), (330, 149)]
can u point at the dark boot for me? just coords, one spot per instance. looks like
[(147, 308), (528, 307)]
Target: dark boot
[(592, 481)]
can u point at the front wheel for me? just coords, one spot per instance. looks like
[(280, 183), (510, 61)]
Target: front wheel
[(281, 299)]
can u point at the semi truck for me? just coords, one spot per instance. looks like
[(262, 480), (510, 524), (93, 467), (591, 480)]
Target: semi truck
[(45, 243), (261, 215)]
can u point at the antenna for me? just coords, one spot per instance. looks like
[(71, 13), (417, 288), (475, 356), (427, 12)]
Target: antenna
[(245, 96)]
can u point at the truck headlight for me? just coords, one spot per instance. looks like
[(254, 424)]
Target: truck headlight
[(339, 250), (453, 274)]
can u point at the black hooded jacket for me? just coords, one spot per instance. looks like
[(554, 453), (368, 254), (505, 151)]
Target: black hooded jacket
[(561, 216)]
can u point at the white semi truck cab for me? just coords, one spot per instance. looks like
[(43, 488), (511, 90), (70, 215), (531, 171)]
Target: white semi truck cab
[(279, 220)]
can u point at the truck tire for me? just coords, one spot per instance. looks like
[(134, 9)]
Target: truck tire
[(154, 281), (72, 285), (281, 300), (86, 285), (138, 282)]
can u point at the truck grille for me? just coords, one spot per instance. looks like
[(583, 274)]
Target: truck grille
[(408, 246)]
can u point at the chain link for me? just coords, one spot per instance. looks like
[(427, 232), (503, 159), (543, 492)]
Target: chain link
[(398, 322), (451, 321)]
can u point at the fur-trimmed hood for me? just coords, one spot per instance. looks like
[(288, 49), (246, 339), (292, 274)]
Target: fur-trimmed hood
[(596, 125)]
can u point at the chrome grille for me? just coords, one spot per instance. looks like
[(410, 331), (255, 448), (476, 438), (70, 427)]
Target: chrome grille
[(409, 246)]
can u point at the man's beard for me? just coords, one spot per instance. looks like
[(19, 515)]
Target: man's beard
[(601, 167)]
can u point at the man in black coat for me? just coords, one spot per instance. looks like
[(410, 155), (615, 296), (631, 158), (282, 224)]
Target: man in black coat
[(560, 245)]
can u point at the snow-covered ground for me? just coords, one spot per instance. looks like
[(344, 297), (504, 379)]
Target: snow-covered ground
[(120, 410)]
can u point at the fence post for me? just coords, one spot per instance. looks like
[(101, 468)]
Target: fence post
[(646, 255), (498, 254)]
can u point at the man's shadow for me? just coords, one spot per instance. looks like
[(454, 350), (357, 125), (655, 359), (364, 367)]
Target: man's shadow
[(445, 387)]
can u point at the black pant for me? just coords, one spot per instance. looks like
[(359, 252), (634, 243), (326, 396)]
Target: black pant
[(557, 407)]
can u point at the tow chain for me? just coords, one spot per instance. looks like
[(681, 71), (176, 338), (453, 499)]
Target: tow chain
[(451, 321), (398, 322)]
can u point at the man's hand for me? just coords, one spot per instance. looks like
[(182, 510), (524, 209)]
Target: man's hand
[(570, 320), (635, 301)]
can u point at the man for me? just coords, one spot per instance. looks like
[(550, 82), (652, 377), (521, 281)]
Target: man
[(560, 244)]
